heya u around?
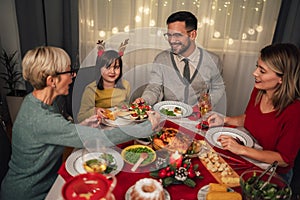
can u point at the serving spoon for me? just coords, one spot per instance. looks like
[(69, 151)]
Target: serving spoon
[(143, 156)]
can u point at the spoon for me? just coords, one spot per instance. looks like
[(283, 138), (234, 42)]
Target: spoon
[(143, 156)]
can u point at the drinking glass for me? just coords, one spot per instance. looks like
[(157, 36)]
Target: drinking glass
[(92, 157), (204, 105)]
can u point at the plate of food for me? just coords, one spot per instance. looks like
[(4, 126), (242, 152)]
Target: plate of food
[(132, 153), (147, 188), (117, 122), (75, 163), (173, 109), (137, 112), (216, 189), (172, 140), (241, 137), (112, 118)]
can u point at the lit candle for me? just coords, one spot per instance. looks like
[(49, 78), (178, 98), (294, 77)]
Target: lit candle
[(176, 158)]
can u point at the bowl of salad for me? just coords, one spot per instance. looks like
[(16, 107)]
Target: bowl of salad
[(276, 188)]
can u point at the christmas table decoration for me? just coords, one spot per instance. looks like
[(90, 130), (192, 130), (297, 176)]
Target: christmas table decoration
[(179, 170)]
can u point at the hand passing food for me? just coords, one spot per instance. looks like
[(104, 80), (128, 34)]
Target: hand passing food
[(93, 121)]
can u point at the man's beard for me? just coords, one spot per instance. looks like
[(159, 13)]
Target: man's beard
[(181, 47)]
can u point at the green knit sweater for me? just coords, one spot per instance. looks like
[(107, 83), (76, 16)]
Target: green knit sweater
[(38, 139)]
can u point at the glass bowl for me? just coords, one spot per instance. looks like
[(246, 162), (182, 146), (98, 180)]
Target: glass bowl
[(276, 189)]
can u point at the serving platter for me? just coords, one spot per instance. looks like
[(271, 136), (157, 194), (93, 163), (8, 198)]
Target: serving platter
[(186, 110), (213, 134), (74, 163)]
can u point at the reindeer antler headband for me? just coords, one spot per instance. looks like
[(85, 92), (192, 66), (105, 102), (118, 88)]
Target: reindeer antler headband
[(101, 47)]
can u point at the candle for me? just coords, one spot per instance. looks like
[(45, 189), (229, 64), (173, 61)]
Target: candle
[(176, 158)]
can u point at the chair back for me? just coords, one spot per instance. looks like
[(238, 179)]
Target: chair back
[(5, 150)]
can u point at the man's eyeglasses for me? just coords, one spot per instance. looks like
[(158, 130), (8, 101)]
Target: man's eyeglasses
[(72, 72), (175, 35)]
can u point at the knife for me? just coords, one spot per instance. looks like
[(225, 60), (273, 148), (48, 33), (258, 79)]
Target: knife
[(232, 158)]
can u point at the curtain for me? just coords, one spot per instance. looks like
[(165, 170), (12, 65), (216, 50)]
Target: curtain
[(235, 30), (49, 23), (288, 32)]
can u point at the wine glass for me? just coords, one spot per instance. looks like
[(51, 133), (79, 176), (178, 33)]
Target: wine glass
[(205, 106), (92, 159)]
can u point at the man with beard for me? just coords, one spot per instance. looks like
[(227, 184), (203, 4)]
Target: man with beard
[(185, 71)]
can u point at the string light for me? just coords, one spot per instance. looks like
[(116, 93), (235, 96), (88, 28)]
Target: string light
[(152, 23), (102, 34), (138, 19), (221, 8), (217, 34), (126, 29), (115, 30)]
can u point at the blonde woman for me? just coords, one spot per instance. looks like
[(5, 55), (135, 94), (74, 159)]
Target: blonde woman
[(40, 132)]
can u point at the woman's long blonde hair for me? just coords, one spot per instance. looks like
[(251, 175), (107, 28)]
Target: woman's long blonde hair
[(284, 60)]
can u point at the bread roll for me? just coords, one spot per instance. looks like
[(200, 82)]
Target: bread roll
[(215, 187), (223, 196)]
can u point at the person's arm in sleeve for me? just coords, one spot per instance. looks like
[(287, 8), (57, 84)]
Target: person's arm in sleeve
[(153, 91), (87, 107), (217, 89)]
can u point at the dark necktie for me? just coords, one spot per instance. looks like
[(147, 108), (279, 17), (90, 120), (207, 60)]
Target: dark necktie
[(186, 70)]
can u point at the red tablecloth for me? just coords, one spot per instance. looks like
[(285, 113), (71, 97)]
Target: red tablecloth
[(125, 179)]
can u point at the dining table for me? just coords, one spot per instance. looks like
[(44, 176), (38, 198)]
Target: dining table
[(126, 178)]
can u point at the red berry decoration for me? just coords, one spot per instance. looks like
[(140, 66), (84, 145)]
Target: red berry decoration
[(186, 173), (191, 173), (162, 173)]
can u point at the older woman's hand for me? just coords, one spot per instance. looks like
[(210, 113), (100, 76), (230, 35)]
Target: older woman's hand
[(215, 120), (93, 121), (154, 118)]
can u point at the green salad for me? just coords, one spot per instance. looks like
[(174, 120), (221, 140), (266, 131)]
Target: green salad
[(167, 112), (269, 191)]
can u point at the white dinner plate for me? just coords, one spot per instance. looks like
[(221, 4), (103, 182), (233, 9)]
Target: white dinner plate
[(213, 134), (127, 195), (187, 110), (117, 122), (128, 118), (74, 163), (204, 190)]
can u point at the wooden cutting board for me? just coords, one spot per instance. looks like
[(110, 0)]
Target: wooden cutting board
[(219, 168)]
